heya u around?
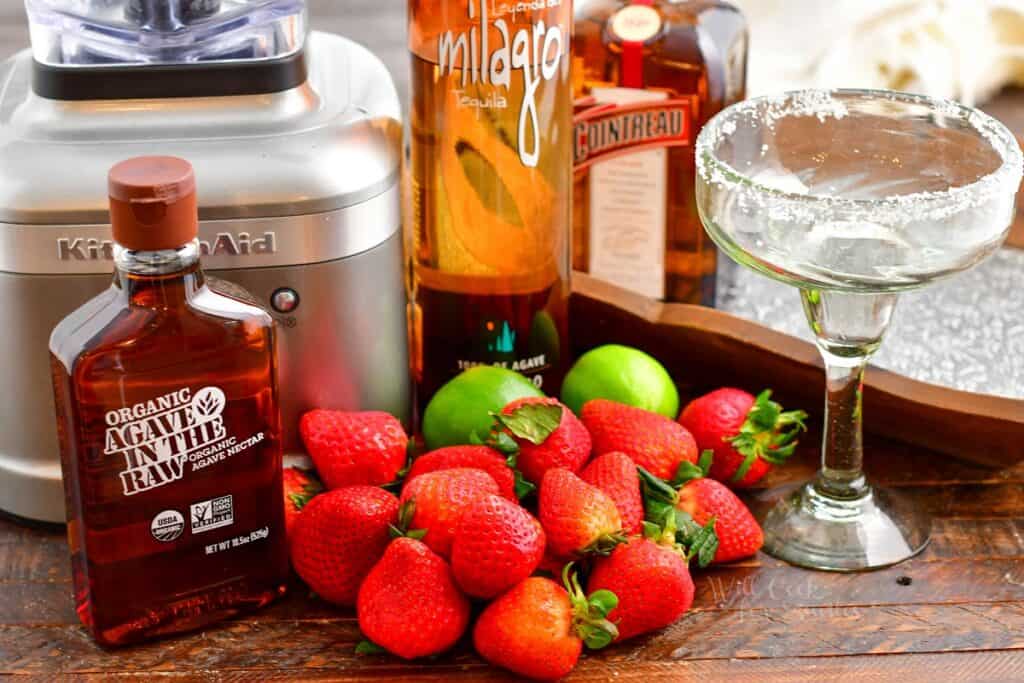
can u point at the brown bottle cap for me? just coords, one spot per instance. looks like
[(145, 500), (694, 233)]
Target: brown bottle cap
[(153, 203)]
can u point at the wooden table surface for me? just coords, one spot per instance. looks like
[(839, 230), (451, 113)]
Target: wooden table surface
[(954, 613)]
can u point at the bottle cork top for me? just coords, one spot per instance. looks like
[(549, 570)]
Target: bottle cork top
[(153, 203)]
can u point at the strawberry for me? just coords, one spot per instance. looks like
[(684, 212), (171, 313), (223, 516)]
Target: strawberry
[(615, 474), (653, 441), (299, 488), (538, 628), (409, 603), (652, 582), (496, 545), (480, 457), (548, 436), (437, 499), (706, 502), (747, 435), (338, 538), (578, 518), (354, 448), (739, 534)]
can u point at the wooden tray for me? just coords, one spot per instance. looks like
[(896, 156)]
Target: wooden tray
[(705, 348)]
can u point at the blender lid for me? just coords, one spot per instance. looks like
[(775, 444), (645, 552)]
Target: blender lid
[(125, 49), (131, 32)]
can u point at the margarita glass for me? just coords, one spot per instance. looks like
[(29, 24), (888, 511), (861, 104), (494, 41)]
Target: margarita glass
[(853, 196)]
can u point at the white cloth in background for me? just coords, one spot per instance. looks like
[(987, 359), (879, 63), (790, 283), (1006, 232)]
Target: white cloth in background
[(961, 49)]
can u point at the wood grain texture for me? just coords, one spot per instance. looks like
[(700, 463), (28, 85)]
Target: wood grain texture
[(961, 617), (704, 348)]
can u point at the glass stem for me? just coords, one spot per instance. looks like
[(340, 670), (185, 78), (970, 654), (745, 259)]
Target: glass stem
[(842, 453), (848, 327)]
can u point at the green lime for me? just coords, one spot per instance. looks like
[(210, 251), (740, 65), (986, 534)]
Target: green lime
[(622, 374), (462, 407)]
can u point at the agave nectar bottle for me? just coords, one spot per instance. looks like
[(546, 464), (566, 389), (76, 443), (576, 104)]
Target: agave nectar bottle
[(491, 184), (169, 428)]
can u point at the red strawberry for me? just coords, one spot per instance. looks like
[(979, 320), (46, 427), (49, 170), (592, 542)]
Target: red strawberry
[(480, 457), (748, 435), (703, 500), (299, 488), (538, 629), (615, 474), (548, 436), (497, 544), (652, 582), (338, 538), (354, 448), (409, 603), (439, 498), (578, 518), (653, 441), (739, 534)]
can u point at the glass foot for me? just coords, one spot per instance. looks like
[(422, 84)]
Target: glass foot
[(814, 530)]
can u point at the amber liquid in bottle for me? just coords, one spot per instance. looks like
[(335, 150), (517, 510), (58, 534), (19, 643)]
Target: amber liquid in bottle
[(488, 222), (648, 75), (170, 445)]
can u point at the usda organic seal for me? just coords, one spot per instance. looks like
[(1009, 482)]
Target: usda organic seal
[(167, 526)]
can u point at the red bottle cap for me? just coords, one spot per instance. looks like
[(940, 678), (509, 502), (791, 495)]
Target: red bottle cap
[(153, 203)]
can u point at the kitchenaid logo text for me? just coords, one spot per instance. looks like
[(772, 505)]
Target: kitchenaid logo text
[(224, 243), (605, 130), (162, 438), (537, 52)]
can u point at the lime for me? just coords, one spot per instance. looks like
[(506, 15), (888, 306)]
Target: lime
[(622, 374), (462, 407)]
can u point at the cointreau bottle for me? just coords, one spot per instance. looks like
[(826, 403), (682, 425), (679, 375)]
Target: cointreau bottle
[(491, 182), (169, 428), (648, 75)]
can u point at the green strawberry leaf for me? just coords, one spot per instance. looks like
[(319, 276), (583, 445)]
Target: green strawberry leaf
[(405, 514), (599, 635), (368, 648), (702, 543), (412, 451), (523, 488), (533, 422), (769, 433), (765, 414), (748, 447), (707, 456), (504, 444), (603, 601), (396, 485), (604, 544), (651, 531), (687, 471), (655, 489)]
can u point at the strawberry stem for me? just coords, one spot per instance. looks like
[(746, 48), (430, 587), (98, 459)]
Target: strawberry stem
[(768, 433), (590, 614)]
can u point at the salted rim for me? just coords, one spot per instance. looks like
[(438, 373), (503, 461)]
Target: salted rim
[(828, 103)]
